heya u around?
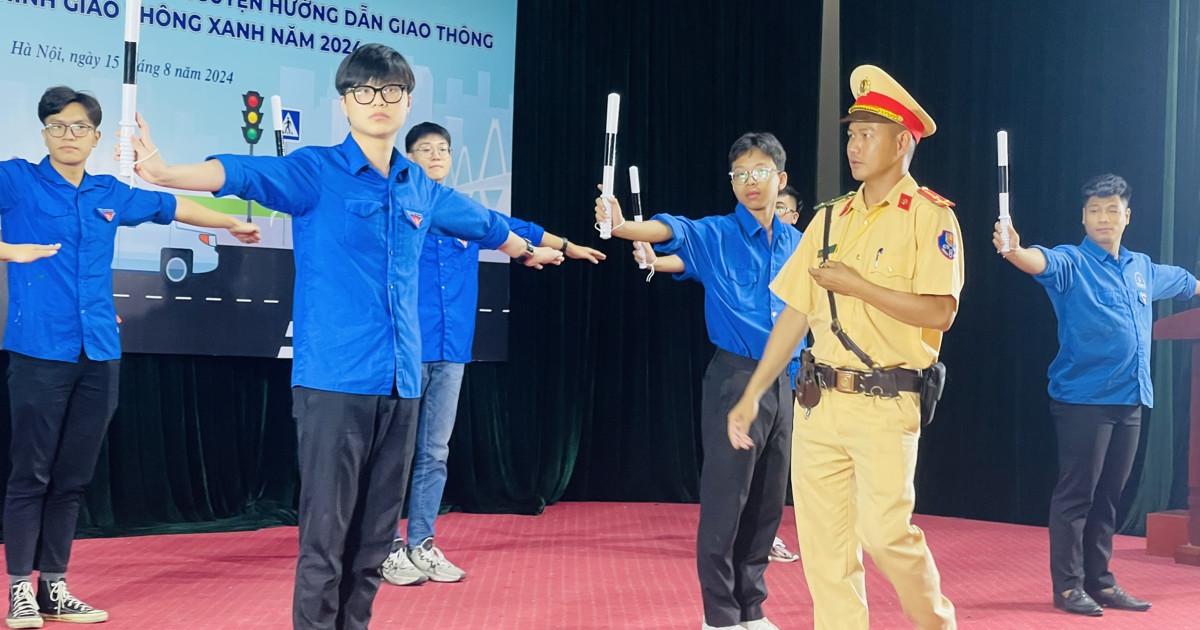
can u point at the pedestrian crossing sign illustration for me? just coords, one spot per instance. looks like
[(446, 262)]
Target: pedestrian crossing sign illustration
[(291, 124)]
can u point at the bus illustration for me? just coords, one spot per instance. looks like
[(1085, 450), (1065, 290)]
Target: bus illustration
[(176, 251)]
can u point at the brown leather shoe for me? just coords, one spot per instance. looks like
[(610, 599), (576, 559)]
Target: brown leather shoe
[(1078, 602), (1120, 600)]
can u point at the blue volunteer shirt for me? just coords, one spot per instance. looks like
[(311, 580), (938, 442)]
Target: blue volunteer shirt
[(62, 306), (730, 256), (449, 292), (1104, 320), (357, 238)]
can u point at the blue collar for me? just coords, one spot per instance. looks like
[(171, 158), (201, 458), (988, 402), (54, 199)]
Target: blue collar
[(1094, 250), (749, 224), (51, 174), (357, 161)]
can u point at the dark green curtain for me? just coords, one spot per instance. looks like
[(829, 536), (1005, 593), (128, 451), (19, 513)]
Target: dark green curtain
[(1081, 87), (1163, 483)]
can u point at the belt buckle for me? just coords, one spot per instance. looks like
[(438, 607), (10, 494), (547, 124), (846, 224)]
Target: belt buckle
[(845, 381)]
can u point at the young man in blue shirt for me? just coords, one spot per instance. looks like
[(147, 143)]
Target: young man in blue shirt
[(787, 207), (360, 213), (1099, 383), (735, 256), (447, 298), (63, 340)]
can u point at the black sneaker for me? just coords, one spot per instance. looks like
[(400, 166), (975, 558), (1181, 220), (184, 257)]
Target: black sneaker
[(22, 607), (56, 603)]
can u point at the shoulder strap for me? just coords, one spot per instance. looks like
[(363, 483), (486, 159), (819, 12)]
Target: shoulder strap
[(835, 324)]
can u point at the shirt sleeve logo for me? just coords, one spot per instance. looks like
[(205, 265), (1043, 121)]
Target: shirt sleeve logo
[(415, 218), (107, 213), (946, 244)]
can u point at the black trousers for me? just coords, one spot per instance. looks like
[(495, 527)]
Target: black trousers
[(60, 412), (355, 453), (741, 492), (1096, 447)]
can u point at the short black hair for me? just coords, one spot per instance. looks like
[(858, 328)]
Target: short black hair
[(422, 130), (763, 141), (373, 62), (794, 194), (1107, 185), (56, 99)]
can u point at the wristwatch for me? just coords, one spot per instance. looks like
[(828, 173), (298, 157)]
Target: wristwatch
[(566, 243), (529, 250)]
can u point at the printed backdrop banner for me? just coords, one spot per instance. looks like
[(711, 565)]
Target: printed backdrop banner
[(206, 72)]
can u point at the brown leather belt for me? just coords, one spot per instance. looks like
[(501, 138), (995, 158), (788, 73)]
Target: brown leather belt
[(887, 382)]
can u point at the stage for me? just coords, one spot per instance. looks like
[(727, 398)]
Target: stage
[(593, 566)]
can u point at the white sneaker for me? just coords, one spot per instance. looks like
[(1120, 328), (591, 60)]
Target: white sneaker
[(399, 570), (705, 626), (780, 552), (430, 561), (759, 624)]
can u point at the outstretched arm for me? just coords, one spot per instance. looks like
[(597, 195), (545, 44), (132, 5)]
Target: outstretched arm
[(662, 264), (517, 247), (647, 232), (208, 176), (1032, 261), (26, 253), (572, 250), (192, 213)]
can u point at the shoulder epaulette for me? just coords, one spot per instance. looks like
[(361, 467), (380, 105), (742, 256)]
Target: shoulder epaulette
[(835, 200), (935, 198)]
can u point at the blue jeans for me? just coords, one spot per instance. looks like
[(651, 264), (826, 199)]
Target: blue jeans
[(441, 382)]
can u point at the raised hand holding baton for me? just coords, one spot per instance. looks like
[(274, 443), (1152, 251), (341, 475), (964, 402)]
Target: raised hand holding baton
[(128, 123), (635, 188), (1002, 164), (610, 163)]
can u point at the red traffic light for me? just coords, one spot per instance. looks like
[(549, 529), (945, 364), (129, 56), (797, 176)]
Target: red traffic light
[(252, 99)]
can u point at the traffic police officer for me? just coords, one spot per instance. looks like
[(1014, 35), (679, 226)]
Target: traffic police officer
[(889, 255)]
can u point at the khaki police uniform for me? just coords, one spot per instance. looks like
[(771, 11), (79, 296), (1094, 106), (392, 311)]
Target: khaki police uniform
[(854, 457)]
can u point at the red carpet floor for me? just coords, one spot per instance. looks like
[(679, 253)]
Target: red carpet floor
[(593, 566)]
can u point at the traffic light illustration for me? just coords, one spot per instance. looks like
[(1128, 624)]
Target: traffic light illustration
[(252, 116)]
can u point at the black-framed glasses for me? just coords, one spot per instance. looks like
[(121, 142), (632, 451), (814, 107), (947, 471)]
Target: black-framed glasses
[(365, 94), (757, 174), (78, 130), (427, 151)]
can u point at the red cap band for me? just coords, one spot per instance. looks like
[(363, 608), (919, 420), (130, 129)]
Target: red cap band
[(890, 108)]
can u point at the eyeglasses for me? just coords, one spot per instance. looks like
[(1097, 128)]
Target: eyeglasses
[(427, 151), (757, 174), (365, 94), (78, 130), (781, 210)]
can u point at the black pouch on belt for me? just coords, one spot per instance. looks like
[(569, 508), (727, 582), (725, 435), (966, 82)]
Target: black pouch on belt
[(931, 391), (807, 387)]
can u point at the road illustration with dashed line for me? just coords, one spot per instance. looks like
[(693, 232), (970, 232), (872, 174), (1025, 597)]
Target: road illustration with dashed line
[(243, 307)]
